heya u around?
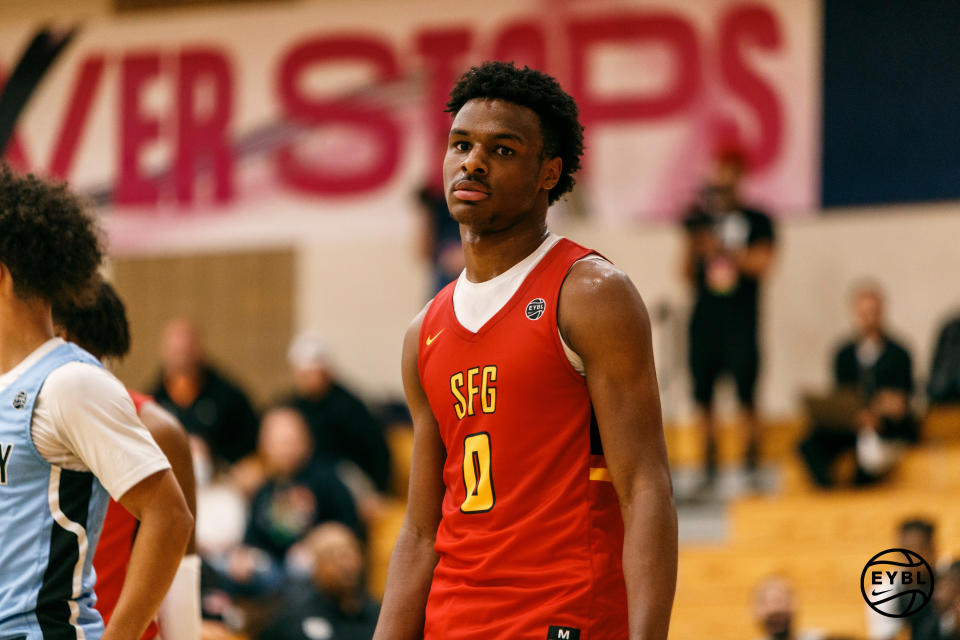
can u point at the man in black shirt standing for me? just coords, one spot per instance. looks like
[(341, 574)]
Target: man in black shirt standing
[(729, 251)]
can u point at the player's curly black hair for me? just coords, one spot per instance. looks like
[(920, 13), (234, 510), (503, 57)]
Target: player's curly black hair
[(48, 241), (100, 327), (559, 115)]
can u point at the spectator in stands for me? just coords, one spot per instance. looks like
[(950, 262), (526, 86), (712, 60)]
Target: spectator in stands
[(944, 621), (343, 428), (291, 494), (879, 369), (944, 385), (439, 238), (298, 493), (774, 608), (214, 411), (334, 606), (729, 252), (398, 430), (917, 535)]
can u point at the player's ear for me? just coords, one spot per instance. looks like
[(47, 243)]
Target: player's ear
[(550, 173)]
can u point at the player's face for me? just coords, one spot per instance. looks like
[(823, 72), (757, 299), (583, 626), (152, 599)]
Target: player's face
[(493, 171)]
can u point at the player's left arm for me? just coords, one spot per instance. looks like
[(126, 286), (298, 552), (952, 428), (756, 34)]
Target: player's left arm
[(165, 525), (180, 612), (603, 318), (172, 439), (94, 419)]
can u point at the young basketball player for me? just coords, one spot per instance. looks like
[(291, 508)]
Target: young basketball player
[(101, 328), (69, 438), (540, 498)]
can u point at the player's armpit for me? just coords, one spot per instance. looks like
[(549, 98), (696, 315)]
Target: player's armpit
[(603, 318), (413, 559)]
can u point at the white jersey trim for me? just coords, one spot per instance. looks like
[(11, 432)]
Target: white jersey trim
[(475, 303), (53, 496)]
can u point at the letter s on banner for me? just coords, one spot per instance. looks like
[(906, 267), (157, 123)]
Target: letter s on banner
[(752, 24), (676, 33), (374, 121)]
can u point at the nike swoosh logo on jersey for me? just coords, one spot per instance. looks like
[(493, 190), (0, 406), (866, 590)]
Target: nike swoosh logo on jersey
[(430, 339)]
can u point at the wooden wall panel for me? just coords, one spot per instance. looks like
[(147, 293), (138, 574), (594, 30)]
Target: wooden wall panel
[(242, 302)]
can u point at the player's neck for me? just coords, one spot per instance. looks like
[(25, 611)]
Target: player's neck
[(488, 255), (23, 328)]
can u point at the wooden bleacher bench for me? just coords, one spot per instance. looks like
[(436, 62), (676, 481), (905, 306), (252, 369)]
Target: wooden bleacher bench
[(685, 442), (942, 423), (819, 539)]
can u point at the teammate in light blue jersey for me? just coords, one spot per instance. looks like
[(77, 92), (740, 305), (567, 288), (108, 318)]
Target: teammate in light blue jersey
[(69, 437)]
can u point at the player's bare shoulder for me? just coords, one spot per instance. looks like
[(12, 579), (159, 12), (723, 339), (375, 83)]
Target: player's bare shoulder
[(411, 337), (595, 281), (410, 354), (597, 295)]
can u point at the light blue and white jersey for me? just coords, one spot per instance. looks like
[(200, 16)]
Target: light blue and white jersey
[(52, 520)]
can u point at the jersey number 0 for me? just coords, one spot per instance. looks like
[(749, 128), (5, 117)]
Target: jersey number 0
[(477, 478)]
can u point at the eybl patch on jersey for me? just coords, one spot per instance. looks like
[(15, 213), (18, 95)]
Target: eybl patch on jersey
[(535, 308), (562, 633), (20, 400)]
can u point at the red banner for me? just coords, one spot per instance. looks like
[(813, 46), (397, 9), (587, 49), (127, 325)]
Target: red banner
[(254, 122)]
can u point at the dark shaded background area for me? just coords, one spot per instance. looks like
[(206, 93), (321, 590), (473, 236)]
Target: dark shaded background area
[(891, 102)]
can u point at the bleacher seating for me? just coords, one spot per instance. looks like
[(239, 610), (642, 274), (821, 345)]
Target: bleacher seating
[(820, 540)]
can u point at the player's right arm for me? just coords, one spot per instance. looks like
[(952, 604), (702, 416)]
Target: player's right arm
[(413, 560)]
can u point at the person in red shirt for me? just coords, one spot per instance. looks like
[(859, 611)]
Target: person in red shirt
[(102, 329), (540, 501)]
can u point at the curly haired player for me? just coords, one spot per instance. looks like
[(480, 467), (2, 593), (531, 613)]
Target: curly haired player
[(69, 438), (540, 499), (100, 327)]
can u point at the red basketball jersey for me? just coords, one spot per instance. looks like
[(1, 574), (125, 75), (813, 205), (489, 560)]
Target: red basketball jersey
[(113, 550), (531, 534)]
